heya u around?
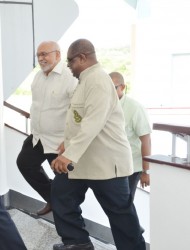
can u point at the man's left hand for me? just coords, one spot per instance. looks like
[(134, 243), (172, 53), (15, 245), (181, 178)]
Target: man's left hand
[(60, 164), (145, 180)]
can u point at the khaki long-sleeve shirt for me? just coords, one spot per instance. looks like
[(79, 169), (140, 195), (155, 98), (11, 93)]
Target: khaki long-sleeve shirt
[(95, 138), (50, 101)]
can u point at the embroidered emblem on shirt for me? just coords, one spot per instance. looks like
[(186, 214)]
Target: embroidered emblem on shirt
[(77, 117)]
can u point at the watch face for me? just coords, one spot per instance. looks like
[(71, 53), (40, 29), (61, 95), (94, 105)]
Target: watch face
[(146, 171)]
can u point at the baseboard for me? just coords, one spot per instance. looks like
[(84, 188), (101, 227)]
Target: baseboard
[(30, 206)]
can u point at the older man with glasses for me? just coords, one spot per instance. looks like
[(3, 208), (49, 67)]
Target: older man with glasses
[(52, 89)]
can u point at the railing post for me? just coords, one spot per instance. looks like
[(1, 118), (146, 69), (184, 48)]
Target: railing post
[(174, 145), (188, 148), (26, 128), (181, 131)]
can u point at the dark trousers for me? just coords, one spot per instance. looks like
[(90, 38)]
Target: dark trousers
[(29, 163), (115, 199), (10, 238), (133, 181)]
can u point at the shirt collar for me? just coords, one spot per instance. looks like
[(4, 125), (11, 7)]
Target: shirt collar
[(122, 98), (88, 70), (58, 68)]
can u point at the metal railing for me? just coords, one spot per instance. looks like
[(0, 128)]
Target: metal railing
[(183, 132), (14, 118)]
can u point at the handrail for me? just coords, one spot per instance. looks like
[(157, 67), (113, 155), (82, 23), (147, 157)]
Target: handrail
[(7, 125), (173, 128), (162, 108), (20, 111), (27, 115), (176, 130)]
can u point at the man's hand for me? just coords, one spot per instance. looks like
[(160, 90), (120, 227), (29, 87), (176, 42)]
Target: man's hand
[(61, 149), (145, 180), (60, 164)]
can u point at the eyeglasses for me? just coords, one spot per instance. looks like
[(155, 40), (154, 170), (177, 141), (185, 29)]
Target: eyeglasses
[(116, 86), (69, 60), (44, 54)]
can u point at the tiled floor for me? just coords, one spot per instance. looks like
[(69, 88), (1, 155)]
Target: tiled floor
[(39, 234)]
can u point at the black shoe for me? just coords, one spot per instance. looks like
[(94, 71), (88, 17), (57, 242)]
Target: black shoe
[(86, 246), (45, 209)]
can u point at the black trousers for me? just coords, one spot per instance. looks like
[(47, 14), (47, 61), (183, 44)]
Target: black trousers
[(133, 181), (29, 163), (10, 238), (114, 197)]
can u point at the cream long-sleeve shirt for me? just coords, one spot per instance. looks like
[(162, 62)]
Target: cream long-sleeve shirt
[(95, 138), (50, 101)]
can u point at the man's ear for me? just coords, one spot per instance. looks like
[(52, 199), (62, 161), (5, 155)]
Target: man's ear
[(122, 87), (58, 54), (82, 58)]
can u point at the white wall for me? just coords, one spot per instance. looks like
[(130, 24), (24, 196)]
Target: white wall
[(17, 45), (25, 26), (3, 179), (169, 208), (13, 145), (158, 37)]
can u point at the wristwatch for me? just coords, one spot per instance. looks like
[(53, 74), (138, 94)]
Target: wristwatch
[(147, 171)]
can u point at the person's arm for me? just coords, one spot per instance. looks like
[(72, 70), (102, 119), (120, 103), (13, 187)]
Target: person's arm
[(98, 106), (61, 148), (145, 151)]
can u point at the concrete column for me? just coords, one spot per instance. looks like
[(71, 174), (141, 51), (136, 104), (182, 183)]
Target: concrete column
[(3, 172)]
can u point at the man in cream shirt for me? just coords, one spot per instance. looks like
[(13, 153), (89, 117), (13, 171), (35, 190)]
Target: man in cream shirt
[(97, 146), (52, 89)]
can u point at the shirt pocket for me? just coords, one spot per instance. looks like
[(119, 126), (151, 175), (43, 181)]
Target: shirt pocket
[(57, 100)]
